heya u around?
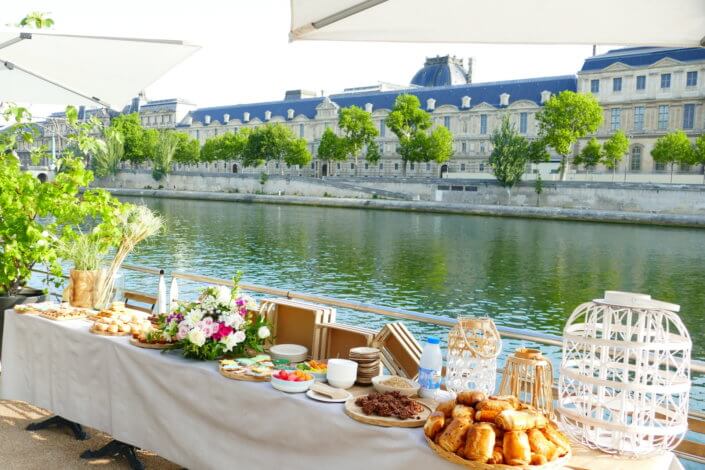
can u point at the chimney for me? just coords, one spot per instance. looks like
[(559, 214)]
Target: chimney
[(368, 107), (468, 77), (245, 117), (504, 99), (207, 119), (430, 104), (267, 115), (226, 118), (466, 102), (545, 96), (135, 105), (290, 113)]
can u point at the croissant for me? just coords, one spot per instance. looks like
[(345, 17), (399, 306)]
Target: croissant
[(453, 436), (462, 411), (512, 420), (446, 407), (434, 424), (479, 445), (471, 398), (516, 448)]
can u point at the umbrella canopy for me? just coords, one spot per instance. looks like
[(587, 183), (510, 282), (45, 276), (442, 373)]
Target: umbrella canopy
[(622, 22), (45, 68)]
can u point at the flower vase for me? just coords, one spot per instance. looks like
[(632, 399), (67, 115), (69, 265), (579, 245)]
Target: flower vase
[(82, 290)]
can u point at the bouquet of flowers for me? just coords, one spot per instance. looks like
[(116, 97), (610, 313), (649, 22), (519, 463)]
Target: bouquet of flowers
[(222, 322)]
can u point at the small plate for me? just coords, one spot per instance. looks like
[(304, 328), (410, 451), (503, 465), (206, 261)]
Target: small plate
[(318, 397)]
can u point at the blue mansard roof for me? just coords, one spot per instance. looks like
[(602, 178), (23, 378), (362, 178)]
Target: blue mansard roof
[(642, 56), (528, 89)]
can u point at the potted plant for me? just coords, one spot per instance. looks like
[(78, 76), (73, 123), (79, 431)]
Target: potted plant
[(87, 253)]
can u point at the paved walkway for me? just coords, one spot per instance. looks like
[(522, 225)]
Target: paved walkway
[(54, 448)]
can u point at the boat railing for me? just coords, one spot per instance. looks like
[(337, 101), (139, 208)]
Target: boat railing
[(692, 448)]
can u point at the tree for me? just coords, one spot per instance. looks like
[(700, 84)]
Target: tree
[(614, 150), (331, 148), (109, 153), (188, 149), (565, 118), (139, 142), (699, 153), (358, 130), (408, 122), (671, 148), (164, 151), (590, 156), (226, 147), (438, 146), (275, 142), (510, 155), (373, 153), (36, 20)]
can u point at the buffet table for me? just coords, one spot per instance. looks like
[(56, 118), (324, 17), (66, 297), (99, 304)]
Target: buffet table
[(188, 413)]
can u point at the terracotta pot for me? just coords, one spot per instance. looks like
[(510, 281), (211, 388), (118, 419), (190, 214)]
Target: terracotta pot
[(82, 288)]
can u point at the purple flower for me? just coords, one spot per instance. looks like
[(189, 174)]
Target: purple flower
[(240, 302)]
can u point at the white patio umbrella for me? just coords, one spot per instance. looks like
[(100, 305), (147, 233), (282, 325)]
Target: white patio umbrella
[(48, 68), (621, 22)]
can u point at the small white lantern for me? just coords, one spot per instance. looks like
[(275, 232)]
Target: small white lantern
[(625, 375), (473, 346)]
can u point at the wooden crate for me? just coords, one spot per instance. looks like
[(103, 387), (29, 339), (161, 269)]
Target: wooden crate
[(295, 322), (336, 340), (401, 353)]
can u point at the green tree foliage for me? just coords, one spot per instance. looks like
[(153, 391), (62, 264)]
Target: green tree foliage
[(673, 148), (358, 130), (510, 155), (538, 152), (699, 153), (373, 153), (614, 150), (164, 151), (226, 147), (140, 143), (331, 148), (590, 155), (565, 118), (37, 20), (188, 149), (408, 121), (109, 153), (275, 142)]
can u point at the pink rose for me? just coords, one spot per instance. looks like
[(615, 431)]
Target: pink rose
[(222, 331)]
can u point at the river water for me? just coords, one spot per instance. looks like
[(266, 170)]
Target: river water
[(523, 273)]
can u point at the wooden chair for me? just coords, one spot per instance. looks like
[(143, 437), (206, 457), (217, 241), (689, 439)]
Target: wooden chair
[(147, 302)]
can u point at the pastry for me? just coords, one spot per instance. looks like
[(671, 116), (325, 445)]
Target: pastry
[(497, 455), (434, 424), (540, 445), (488, 416), (453, 436), (447, 407), (514, 401), (101, 326), (494, 405), (513, 420), (462, 411), (556, 437), (516, 448), (537, 459), (479, 445), (113, 328), (470, 398)]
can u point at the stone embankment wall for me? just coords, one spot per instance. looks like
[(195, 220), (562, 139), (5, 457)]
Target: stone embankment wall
[(628, 197)]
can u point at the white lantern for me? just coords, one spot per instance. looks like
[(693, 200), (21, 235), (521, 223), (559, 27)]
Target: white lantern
[(473, 347), (625, 375)]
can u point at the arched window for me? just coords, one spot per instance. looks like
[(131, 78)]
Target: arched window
[(635, 160)]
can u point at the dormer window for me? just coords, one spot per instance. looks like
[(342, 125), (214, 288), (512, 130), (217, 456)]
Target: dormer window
[(226, 118), (267, 115), (290, 113), (368, 107), (430, 104), (545, 96), (504, 99), (245, 117), (207, 119), (465, 102)]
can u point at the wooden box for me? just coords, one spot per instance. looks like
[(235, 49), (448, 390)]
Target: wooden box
[(336, 340), (295, 322), (401, 353)]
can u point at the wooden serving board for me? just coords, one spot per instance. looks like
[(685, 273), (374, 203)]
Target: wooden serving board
[(245, 377), (356, 413), (107, 333), (51, 317), (140, 344), (559, 463)]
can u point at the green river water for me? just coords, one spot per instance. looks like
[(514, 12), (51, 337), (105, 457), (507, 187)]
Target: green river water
[(523, 273)]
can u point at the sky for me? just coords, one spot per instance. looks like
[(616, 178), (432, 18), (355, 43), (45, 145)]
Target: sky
[(246, 56)]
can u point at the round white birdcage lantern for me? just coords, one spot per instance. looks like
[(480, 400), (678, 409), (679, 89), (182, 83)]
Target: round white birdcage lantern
[(625, 375), (473, 347)]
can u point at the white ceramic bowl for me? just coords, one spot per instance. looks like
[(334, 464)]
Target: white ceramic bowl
[(341, 383), (410, 391), (342, 373), (291, 387), (291, 352)]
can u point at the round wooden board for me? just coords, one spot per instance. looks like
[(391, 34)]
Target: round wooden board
[(106, 333), (140, 344), (244, 377), (456, 459), (355, 412)]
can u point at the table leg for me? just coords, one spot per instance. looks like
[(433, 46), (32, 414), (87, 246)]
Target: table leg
[(116, 449), (58, 421)]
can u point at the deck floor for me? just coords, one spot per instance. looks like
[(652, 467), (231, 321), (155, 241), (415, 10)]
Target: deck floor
[(54, 448)]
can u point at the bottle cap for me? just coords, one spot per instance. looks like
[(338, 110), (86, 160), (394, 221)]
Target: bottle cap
[(432, 340)]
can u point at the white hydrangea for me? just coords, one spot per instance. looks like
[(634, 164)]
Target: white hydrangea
[(233, 320)]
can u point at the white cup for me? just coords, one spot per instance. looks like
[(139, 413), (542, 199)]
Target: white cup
[(341, 373)]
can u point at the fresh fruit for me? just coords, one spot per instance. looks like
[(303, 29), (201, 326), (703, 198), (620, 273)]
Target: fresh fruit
[(293, 376)]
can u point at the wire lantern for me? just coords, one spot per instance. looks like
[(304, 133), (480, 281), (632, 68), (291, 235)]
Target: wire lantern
[(473, 347), (529, 377), (625, 375)]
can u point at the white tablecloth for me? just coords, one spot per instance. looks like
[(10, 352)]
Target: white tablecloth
[(188, 413)]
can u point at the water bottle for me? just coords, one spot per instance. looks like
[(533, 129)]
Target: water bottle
[(430, 368)]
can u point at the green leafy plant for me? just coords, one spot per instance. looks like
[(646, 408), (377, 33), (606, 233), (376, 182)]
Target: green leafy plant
[(109, 153), (672, 148), (538, 188), (164, 151), (590, 155), (37, 20), (510, 155), (358, 131), (85, 252), (332, 148), (614, 150), (275, 142), (699, 153)]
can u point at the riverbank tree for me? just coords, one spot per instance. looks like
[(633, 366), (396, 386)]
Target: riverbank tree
[(332, 148), (589, 156), (699, 153), (163, 156), (358, 131), (109, 153), (139, 142), (614, 150), (275, 142), (565, 118), (228, 146), (672, 148)]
